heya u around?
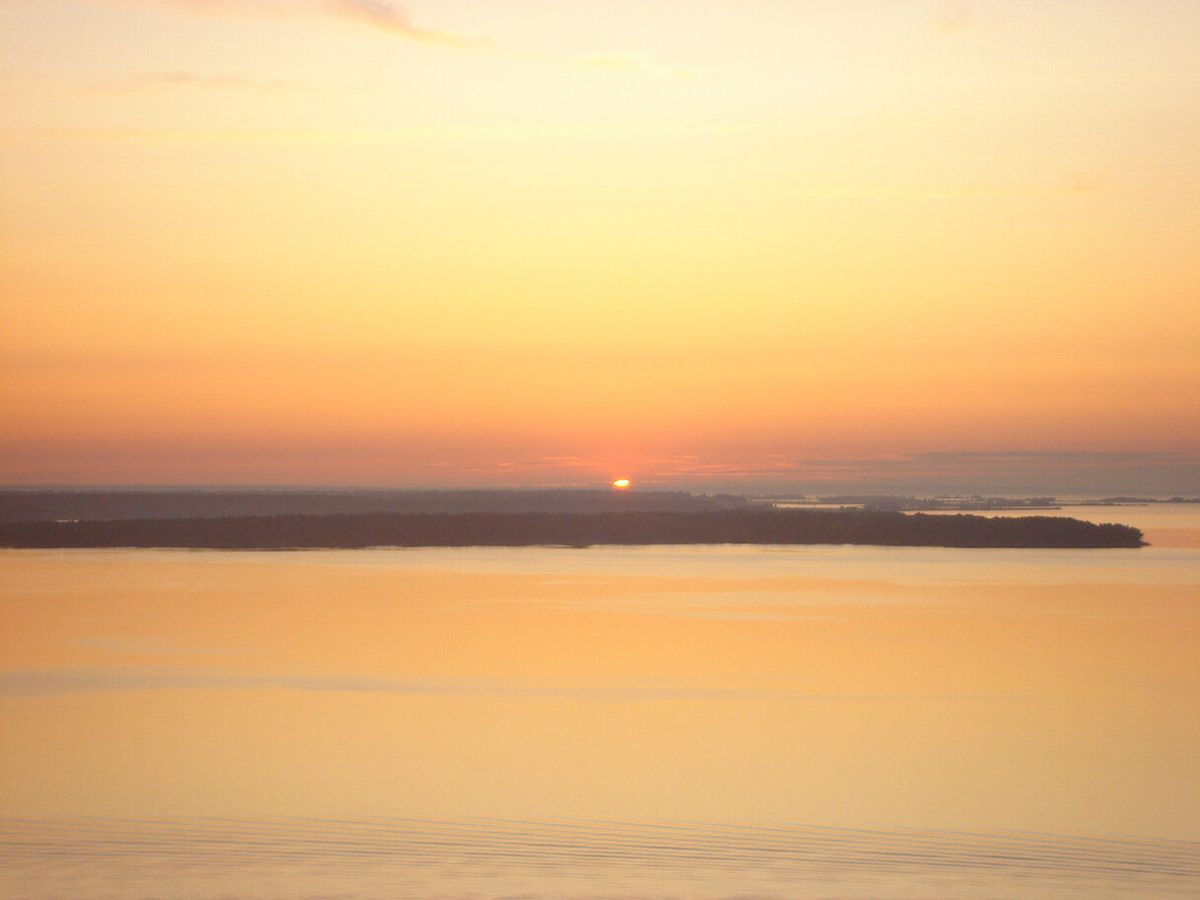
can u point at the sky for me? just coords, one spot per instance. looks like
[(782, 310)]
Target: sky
[(703, 244)]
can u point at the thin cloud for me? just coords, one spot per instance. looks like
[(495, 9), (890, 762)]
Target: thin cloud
[(149, 645), (124, 134), (616, 62), (253, 8), (380, 14), (953, 18), (49, 682), (1081, 183), (627, 63), (1084, 183), (43, 682), (223, 80), (394, 19)]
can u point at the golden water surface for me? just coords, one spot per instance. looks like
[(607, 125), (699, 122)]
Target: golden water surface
[(790, 722)]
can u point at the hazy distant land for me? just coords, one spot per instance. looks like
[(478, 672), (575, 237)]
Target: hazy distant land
[(42, 504), (517, 529), (962, 503), (51, 504)]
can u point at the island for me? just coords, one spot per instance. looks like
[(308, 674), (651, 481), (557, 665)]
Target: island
[(753, 525)]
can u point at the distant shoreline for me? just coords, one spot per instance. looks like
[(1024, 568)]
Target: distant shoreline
[(472, 529)]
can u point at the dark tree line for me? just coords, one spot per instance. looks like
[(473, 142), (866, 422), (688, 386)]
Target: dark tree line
[(738, 526)]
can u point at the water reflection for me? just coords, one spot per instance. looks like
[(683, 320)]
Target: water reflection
[(444, 723), (263, 858)]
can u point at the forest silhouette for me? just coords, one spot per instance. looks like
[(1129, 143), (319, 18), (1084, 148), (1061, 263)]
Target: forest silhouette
[(731, 526)]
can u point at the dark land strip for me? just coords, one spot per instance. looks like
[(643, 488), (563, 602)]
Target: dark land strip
[(476, 529)]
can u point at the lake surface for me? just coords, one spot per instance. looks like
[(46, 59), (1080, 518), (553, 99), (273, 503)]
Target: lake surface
[(636, 723)]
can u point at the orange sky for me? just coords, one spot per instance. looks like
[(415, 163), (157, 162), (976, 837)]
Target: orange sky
[(702, 243)]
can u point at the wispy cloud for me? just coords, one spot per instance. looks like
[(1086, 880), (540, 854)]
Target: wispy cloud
[(1083, 183), (381, 14), (952, 18), (149, 645), (41, 682), (85, 135), (223, 80), (393, 19)]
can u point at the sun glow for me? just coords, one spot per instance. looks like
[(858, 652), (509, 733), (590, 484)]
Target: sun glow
[(468, 200), (621, 483)]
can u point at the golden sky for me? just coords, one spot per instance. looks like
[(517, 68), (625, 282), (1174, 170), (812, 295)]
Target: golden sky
[(704, 243)]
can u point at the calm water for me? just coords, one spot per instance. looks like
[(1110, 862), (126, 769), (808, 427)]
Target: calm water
[(808, 723)]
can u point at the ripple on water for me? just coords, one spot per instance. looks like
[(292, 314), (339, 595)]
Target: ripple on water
[(374, 859)]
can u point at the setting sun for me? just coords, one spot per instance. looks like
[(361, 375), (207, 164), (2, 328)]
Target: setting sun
[(461, 194), (621, 483)]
